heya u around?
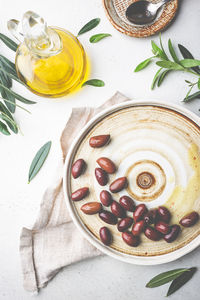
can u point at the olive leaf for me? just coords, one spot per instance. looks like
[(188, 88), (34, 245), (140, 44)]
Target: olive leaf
[(7, 62), (189, 63), (143, 64), (169, 65), (157, 51), (180, 281), (8, 96), (165, 277), (11, 75), (191, 97), (17, 96), (89, 26), (8, 118), (8, 65), (155, 78), (4, 129), (10, 122), (186, 54), (5, 79), (98, 37), (6, 82), (94, 82), (4, 76), (188, 93), (5, 110), (17, 105), (9, 43), (172, 52), (198, 84), (162, 77), (161, 46), (38, 160)]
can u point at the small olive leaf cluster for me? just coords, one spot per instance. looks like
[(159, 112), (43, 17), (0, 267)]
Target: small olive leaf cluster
[(178, 277), (8, 96), (167, 65), (93, 39)]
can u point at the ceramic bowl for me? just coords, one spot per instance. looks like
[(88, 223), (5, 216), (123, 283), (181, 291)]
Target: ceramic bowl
[(162, 139)]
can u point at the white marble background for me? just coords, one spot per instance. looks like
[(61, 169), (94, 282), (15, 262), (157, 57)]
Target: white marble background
[(113, 60)]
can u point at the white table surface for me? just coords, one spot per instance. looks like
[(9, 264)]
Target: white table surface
[(113, 60)]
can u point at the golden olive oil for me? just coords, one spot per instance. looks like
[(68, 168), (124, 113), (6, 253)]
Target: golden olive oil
[(54, 75), (184, 199)]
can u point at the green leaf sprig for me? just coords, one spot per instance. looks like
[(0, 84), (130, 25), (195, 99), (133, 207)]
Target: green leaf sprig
[(187, 64), (9, 97), (178, 277), (10, 43), (38, 160)]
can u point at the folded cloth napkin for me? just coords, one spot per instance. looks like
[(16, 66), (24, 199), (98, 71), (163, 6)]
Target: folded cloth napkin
[(54, 242)]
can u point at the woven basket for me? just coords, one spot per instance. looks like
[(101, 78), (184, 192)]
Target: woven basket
[(115, 10)]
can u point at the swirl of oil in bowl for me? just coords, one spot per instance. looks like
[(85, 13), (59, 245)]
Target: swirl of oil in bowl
[(155, 157)]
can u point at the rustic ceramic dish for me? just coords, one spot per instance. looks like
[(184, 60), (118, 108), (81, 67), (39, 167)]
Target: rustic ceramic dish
[(146, 136), (116, 9)]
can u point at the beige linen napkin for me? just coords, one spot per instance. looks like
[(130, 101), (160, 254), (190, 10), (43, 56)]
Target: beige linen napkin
[(54, 242)]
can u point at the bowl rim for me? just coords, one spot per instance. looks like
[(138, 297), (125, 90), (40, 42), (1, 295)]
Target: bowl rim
[(133, 259)]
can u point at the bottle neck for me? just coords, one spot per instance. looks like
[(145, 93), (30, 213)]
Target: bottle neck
[(40, 39)]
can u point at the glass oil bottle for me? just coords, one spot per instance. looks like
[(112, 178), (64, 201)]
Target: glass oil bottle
[(49, 60)]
